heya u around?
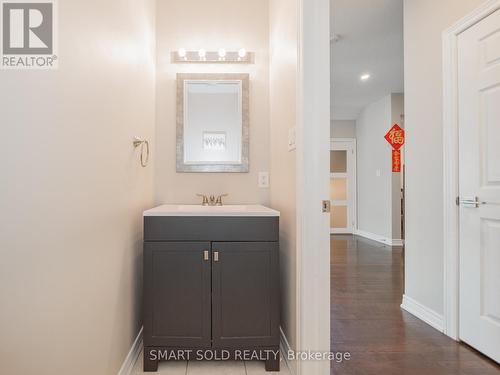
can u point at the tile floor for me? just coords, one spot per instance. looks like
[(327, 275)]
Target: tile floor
[(210, 368)]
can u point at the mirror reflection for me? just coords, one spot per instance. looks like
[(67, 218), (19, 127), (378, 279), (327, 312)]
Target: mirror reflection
[(212, 123)]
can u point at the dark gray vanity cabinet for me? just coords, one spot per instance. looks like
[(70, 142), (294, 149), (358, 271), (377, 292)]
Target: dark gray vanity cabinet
[(245, 295), (211, 284), (177, 281)]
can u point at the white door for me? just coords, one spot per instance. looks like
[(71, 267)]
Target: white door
[(343, 186), (479, 145)]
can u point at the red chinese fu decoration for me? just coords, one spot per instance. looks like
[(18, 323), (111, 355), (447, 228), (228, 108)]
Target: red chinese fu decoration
[(396, 137), (396, 160)]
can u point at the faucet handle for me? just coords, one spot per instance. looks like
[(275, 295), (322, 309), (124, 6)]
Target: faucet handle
[(219, 199), (205, 199), (211, 200)]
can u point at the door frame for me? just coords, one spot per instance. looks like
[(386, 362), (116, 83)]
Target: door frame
[(451, 164), (313, 181), (350, 145)]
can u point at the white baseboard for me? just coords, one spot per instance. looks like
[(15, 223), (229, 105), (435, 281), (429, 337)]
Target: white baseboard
[(378, 238), (340, 231), (285, 347), (133, 354), (422, 312), (397, 242)]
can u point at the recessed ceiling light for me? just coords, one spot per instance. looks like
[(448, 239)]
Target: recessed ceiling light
[(365, 77)]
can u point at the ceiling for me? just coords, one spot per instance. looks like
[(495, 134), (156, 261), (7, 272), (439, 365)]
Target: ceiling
[(370, 40)]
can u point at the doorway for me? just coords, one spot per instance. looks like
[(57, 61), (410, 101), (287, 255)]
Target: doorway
[(343, 186)]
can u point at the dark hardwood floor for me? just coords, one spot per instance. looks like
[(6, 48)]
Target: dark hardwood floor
[(367, 321)]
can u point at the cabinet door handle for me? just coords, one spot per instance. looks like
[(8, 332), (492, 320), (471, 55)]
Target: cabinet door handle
[(216, 256), (205, 255)]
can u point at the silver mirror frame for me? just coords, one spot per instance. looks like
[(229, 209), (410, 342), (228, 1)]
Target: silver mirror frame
[(245, 138)]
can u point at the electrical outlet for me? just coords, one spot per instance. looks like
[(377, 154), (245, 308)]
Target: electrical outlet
[(263, 179)]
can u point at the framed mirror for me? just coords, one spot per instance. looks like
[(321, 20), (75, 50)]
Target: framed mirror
[(212, 122)]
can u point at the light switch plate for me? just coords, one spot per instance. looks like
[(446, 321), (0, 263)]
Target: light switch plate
[(292, 139), (263, 179), (378, 173)]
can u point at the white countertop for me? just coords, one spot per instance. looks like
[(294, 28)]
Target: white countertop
[(199, 210)]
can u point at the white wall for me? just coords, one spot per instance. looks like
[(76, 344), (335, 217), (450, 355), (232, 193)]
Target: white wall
[(343, 128), (397, 111), (283, 91), (378, 195), (374, 154), (73, 192), (424, 145), (194, 24)]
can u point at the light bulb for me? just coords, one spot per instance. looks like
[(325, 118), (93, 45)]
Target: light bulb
[(242, 53), (182, 52), (202, 53), (222, 53), (365, 77)]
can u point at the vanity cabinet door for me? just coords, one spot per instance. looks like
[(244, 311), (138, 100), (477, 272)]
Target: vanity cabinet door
[(245, 295), (177, 292)]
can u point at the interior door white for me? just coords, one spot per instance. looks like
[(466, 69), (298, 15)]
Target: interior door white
[(479, 158), (343, 186)]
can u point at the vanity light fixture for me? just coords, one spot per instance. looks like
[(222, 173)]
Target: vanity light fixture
[(220, 56)]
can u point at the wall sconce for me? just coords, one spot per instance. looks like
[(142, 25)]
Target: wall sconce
[(221, 56)]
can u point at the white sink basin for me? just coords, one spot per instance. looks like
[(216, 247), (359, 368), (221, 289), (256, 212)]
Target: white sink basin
[(199, 210)]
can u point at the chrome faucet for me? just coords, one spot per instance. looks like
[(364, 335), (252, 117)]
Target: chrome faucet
[(211, 200)]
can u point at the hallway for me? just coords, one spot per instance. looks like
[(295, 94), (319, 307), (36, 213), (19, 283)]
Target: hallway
[(367, 321)]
